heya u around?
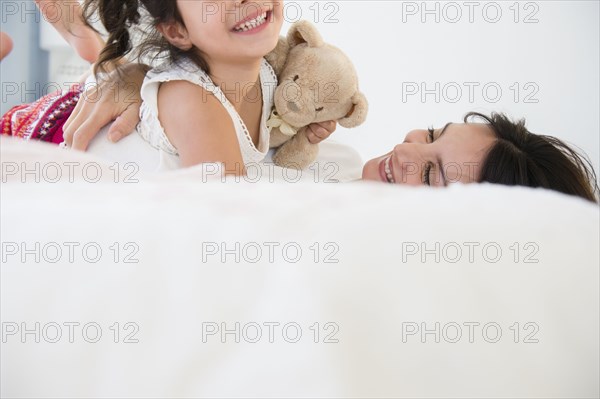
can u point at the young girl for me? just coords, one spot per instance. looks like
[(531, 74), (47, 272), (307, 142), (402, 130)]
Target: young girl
[(210, 100)]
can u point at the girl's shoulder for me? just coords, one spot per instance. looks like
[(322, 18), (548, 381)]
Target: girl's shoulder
[(183, 69), (213, 105), (187, 70)]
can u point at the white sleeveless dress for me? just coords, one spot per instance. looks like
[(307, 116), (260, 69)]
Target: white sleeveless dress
[(153, 133)]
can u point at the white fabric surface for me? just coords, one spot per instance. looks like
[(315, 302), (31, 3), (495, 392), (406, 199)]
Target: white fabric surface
[(368, 294)]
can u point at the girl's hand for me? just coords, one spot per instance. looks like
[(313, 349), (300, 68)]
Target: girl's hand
[(117, 98), (318, 132)]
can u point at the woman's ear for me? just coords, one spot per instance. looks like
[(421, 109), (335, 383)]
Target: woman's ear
[(358, 112), (176, 34)]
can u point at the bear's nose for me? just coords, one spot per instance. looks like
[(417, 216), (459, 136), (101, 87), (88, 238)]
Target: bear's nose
[(292, 106)]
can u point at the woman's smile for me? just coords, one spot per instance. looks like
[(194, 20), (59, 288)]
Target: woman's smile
[(386, 170), (426, 156)]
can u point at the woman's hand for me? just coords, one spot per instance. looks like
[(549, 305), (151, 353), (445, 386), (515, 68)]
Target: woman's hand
[(116, 98), (67, 19), (5, 45), (318, 132)]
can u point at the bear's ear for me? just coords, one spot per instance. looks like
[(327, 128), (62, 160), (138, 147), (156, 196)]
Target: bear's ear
[(304, 32), (358, 113), (278, 56)]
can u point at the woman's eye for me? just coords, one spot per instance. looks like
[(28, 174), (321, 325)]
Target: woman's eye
[(426, 173), (319, 109), (431, 130), (296, 78)]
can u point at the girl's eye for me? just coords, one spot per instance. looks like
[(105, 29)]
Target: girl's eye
[(431, 130), (296, 77), (426, 173)]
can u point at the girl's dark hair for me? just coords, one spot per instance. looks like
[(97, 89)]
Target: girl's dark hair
[(522, 158), (118, 16)]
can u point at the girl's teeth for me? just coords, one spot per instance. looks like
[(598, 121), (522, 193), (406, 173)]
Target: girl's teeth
[(253, 23)]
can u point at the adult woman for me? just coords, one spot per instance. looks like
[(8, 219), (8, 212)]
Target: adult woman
[(496, 151)]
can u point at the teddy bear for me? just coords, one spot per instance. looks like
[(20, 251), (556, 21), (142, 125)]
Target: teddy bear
[(316, 82)]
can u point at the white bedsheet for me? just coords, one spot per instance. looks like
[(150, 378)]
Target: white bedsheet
[(377, 290)]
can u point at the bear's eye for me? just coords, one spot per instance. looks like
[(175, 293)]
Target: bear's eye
[(319, 109), (296, 78)]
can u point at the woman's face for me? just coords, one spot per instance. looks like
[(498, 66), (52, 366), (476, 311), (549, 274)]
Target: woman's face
[(435, 157)]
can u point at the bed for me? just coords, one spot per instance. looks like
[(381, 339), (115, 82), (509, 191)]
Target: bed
[(176, 287)]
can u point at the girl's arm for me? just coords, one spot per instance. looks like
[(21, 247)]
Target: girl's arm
[(66, 17), (199, 126)]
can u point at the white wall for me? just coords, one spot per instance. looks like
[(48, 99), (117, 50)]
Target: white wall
[(558, 57), (24, 73)]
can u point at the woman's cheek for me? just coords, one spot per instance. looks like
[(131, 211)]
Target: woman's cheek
[(371, 170)]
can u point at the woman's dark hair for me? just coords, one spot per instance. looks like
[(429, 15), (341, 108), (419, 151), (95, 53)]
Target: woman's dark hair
[(522, 158), (118, 16)]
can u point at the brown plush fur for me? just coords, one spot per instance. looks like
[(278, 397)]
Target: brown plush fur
[(312, 75)]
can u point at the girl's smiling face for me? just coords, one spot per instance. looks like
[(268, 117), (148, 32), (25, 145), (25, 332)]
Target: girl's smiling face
[(229, 31), (435, 157)]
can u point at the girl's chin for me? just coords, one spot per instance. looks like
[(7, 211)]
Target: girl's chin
[(258, 48)]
